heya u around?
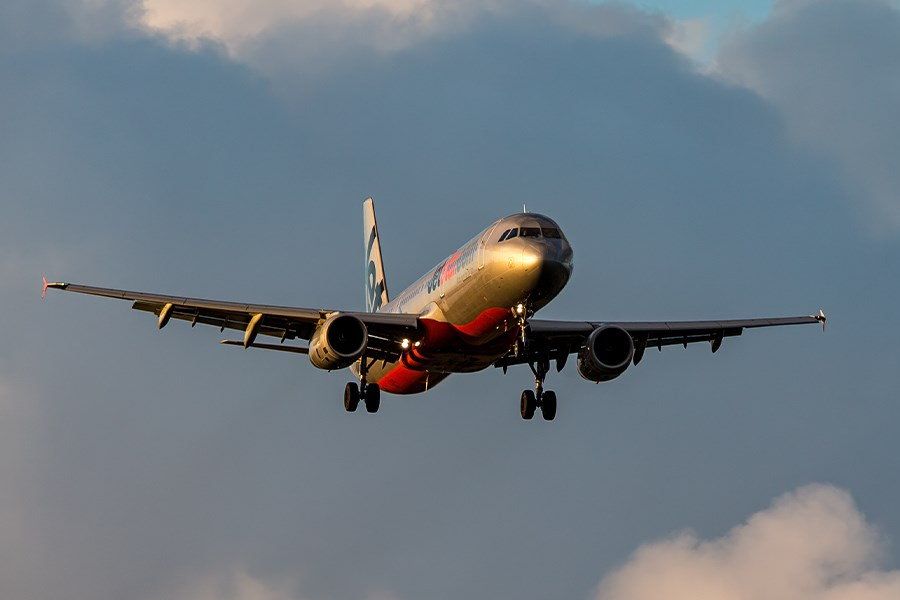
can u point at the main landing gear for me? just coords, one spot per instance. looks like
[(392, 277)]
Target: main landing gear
[(369, 393), (531, 400)]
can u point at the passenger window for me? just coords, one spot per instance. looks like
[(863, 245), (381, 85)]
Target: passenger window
[(551, 232), (531, 232), (513, 233), (503, 235)]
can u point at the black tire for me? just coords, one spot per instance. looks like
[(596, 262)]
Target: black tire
[(372, 398), (351, 397), (548, 405), (527, 404)]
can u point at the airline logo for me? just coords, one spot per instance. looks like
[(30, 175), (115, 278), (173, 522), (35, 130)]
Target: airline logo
[(374, 275), (457, 263)]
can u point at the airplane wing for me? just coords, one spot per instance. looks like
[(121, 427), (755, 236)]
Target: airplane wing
[(558, 339), (386, 330)]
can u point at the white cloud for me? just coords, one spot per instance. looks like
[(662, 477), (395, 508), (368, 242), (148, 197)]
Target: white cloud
[(236, 23), (812, 544)]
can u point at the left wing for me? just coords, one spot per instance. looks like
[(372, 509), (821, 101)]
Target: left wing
[(386, 330), (558, 339)]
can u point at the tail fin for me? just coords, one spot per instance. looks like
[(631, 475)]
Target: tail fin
[(376, 288)]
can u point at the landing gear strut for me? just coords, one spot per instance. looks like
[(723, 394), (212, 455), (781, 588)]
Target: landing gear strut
[(531, 400), (369, 393)]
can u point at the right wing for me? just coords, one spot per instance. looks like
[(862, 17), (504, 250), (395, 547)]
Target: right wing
[(558, 339), (386, 330)]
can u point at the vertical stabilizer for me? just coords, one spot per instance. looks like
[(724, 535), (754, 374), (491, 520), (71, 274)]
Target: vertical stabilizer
[(376, 288)]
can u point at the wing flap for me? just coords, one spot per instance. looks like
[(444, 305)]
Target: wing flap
[(285, 322), (271, 325)]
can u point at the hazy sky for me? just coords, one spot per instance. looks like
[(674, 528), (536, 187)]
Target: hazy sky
[(225, 152)]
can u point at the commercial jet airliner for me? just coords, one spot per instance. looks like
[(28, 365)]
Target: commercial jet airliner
[(473, 310)]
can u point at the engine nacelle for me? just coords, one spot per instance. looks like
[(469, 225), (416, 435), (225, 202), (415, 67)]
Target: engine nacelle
[(338, 342), (606, 354)]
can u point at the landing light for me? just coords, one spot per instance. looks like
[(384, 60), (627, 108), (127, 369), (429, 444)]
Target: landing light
[(417, 344), (404, 344), (520, 309)]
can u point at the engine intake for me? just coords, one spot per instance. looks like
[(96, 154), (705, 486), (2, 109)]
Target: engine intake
[(338, 342), (606, 354)]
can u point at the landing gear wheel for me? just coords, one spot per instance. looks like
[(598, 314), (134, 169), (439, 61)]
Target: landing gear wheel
[(351, 397), (372, 398), (527, 404), (548, 405)]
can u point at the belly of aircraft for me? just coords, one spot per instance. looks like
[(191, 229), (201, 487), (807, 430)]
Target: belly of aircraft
[(447, 348)]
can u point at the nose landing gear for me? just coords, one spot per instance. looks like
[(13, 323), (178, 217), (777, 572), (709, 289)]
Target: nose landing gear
[(530, 401)]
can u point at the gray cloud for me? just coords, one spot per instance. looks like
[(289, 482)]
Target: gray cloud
[(831, 68), (811, 544)]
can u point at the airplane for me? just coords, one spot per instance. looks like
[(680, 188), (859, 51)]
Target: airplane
[(471, 311)]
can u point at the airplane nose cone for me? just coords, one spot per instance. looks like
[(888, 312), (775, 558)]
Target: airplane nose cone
[(551, 264), (538, 255), (554, 275)]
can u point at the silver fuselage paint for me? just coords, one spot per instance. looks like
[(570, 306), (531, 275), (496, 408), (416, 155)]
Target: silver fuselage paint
[(485, 275)]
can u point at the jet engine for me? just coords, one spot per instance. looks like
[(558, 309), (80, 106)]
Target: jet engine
[(338, 342), (606, 354)]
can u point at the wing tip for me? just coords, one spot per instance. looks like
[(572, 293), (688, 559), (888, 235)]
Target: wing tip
[(45, 285), (821, 318)]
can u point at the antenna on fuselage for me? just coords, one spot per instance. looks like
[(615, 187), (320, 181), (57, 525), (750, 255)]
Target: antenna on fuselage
[(524, 207)]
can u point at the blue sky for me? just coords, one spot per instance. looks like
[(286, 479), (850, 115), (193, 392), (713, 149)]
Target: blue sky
[(226, 154)]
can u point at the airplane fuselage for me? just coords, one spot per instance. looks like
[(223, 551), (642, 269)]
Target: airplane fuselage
[(467, 302)]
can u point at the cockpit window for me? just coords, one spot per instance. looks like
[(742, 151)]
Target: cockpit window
[(551, 232), (503, 235), (531, 232), (514, 232)]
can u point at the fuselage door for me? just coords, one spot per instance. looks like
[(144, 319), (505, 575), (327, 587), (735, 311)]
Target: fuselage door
[(482, 245)]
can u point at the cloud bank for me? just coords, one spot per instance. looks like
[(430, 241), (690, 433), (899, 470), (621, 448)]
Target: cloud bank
[(812, 544), (832, 69), (828, 67)]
